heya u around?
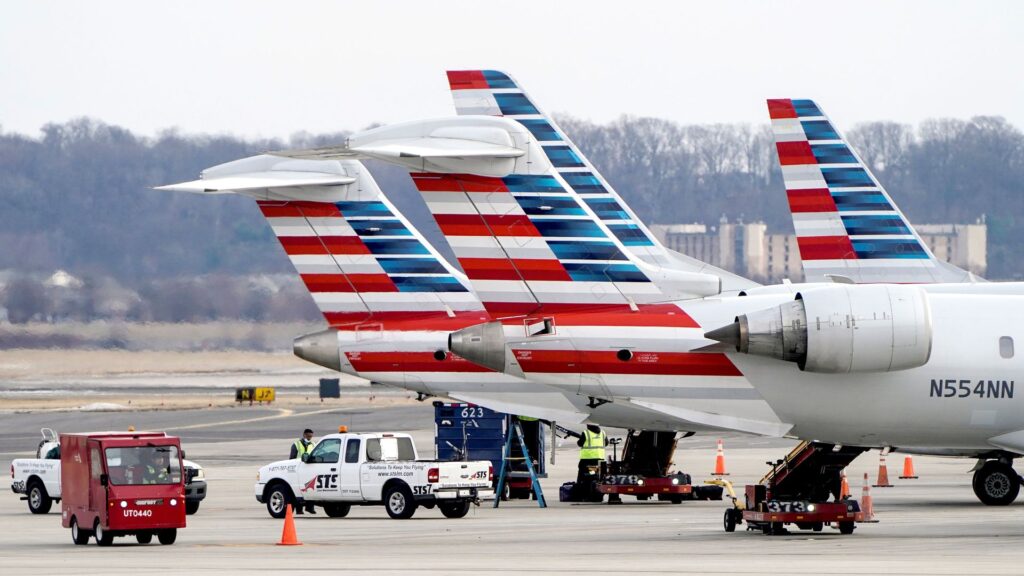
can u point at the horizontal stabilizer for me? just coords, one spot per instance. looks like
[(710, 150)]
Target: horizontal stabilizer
[(541, 409), (719, 421), (258, 181)]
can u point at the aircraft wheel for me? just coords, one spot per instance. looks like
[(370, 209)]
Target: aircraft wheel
[(996, 484)]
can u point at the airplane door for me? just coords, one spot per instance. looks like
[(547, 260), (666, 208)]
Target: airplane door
[(318, 475)]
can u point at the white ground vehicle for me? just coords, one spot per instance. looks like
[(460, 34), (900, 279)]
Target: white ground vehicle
[(39, 478), (371, 469)]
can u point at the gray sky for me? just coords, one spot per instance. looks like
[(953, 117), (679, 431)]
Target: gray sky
[(259, 68)]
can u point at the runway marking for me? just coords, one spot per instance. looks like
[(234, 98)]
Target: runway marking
[(283, 413)]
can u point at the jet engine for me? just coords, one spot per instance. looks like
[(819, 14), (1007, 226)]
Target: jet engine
[(840, 329)]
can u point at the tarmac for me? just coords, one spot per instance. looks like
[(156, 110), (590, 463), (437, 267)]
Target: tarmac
[(933, 525)]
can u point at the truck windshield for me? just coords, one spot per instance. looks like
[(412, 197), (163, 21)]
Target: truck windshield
[(144, 465)]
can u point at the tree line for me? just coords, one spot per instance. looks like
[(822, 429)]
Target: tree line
[(78, 196)]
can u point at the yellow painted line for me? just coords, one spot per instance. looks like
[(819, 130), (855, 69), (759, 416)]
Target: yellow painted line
[(282, 413)]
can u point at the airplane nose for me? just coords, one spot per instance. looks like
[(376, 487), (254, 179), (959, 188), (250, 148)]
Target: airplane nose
[(320, 348), (482, 344)]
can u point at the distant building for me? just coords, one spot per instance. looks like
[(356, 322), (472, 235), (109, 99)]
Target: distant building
[(747, 249)]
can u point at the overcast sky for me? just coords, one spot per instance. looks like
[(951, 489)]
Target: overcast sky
[(275, 68)]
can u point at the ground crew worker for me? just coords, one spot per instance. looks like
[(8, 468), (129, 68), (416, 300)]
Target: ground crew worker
[(155, 471), (591, 443), (302, 446)]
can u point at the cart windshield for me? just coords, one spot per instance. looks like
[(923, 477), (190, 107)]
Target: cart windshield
[(144, 465)]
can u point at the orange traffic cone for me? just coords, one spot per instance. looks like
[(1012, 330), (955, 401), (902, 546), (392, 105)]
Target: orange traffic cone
[(867, 509), (908, 469), (883, 472), (844, 487), (288, 536), (720, 461)]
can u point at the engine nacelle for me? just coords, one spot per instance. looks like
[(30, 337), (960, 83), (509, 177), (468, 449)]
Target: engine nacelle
[(839, 329)]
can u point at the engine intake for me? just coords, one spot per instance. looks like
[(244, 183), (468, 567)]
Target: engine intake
[(839, 329)]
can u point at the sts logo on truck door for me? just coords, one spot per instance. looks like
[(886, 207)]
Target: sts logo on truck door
[(322, 482)]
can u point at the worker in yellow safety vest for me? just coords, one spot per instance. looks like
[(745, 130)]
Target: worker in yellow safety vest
[(300, 448), (591, 443)]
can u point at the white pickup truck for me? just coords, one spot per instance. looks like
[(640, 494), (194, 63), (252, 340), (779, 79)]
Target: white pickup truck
[(344, 470), (39, 478)]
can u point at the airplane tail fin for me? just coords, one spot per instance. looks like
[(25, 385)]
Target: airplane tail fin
[(361, 260), (495, 93), (846, 223)]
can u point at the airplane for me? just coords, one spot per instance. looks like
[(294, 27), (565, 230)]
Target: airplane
[(925, 368)]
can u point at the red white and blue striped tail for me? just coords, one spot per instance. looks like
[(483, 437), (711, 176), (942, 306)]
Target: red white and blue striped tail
[(494, 93), (361, 260), (846, 224)]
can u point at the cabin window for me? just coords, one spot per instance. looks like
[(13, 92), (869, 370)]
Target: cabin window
[(1006, 347)]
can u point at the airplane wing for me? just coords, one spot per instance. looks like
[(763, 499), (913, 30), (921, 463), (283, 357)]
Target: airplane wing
[(709, 420), (513, 404)]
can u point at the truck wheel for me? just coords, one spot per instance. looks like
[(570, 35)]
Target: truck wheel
[(996, 484), (454, 509), (191, 507), (337, 510), (103, 537), (399, 503), (144, 537), (729, 521), (278, 496), (168, 536), (39, 501), (79, 536), (846, 527)]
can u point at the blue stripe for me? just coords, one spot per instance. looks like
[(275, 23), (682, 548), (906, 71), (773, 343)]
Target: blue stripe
[(874, 224), (605, 273), (867, 200), (819, 130), (899, 249), (607, 208), (513, 104), (571, 250), (497, 79), (377, 246), (806, 108), (630, 235), (568, 228), (542, 130), (550, 206), (379, 228), (584, 182), (847, 177), (411, 266), (563, 157), (528, 183), (363, 209), (833, 154), (428, 284)]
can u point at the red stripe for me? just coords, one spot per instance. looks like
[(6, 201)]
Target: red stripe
[(795, 153), (457, 183), (410, 362), (513, 312), (298, 209), (813, 200), (486, 225), (327, 283), (296, 245), (781, 108), (372, 283), (521, 269), (826, 248), (404, 321), (467, 80), (648, 315), (642, 363)]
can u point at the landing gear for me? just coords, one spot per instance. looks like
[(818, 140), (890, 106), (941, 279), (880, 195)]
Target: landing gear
[(996, 483)]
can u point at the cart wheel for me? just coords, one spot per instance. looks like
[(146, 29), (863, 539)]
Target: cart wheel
[(144, 537), (454, 509), (79, 536), (103, 537), (818, 527), (730, 520), (167, 536), (846, 527)]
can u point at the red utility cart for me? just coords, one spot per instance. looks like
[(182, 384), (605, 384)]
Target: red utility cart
[(121, 484)]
